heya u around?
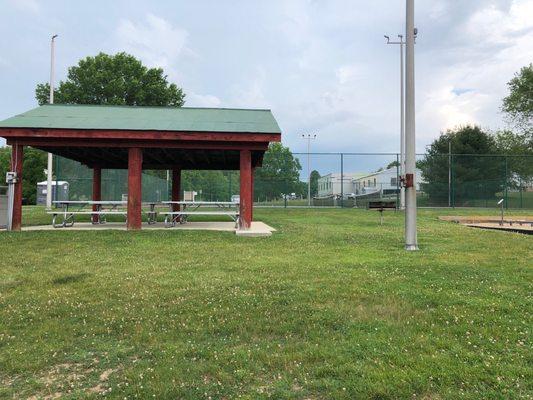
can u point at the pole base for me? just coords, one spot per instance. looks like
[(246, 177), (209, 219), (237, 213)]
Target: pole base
[(411, 247)]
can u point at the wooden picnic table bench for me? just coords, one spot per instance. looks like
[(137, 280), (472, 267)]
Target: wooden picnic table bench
[(188, 208), (100, 211), (381, 206)]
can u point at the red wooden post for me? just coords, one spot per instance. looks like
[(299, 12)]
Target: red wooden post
[(246, 189), (252, 195), (17, 158), (97, 191), (176, 188), (135, 159)]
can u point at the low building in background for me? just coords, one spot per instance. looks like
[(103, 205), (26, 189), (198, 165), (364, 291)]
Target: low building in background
[(330, 185), (359, 184), (384, 182)]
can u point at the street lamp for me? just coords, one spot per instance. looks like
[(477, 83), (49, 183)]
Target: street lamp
[(50, 157), (401, 43), (309, 137)]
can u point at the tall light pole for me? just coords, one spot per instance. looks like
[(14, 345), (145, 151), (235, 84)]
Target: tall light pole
[(401, 43), (50, 157), (410, 139), (309, 137)]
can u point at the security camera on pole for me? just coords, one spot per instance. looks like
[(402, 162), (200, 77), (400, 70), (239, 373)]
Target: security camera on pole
[(50, 157), (410, 140)]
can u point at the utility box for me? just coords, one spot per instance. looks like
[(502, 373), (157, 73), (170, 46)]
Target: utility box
[(189, 195), (3, 207), (60, 191)]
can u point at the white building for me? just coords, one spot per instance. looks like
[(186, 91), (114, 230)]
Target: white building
[(384, 181), (330, 185)]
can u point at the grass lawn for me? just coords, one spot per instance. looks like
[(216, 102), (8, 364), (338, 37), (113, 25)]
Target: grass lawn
[(329, 307)]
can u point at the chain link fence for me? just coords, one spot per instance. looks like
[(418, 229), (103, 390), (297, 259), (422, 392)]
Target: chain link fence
[(337, 180)]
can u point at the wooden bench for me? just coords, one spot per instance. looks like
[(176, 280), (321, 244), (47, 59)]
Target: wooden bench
[(381, 206)]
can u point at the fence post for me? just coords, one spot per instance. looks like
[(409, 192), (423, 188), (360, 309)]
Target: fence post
[(452, 174), (506, 185), (342, 180), (520, 188), (398, 205)]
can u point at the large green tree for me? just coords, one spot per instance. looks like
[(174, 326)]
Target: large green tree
[(315, 176), (280, 174), (475, 174), (518, 105), (518, 152), (33, 166), (118, 79)]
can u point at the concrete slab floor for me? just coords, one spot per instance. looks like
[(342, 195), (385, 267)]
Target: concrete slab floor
[(258, 228)]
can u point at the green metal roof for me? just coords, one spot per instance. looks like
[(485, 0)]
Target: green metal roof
[(62, 116)]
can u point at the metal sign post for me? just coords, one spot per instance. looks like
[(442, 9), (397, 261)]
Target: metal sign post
[(500, 203)]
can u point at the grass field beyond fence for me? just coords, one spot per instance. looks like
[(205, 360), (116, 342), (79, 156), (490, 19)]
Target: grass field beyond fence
[(329, 307)]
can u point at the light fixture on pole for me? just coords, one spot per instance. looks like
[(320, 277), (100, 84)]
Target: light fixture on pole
[(50, 157), (401, 43), (410, 138), (309, 137)]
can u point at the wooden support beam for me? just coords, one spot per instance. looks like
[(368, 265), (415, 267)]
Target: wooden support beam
[(17, 159), (83, 142), (97, 191), (134, 135), (246, 202), (135, 157), (252, 183)]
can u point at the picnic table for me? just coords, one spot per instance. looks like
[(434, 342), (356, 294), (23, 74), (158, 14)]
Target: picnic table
[(188, 208), (98, 210), (381, 206), (70, 208)]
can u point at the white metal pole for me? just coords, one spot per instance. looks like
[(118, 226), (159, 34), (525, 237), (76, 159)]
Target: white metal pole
[(308, 172), (410, 139), (49, 171), (402, 124)]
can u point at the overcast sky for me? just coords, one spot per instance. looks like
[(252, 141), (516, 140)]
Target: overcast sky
[(321, 66)]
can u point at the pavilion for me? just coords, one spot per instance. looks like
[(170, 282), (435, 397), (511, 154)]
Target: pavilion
[(134, 137)]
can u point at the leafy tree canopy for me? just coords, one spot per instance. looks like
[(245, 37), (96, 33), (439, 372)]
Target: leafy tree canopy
[(508, 142), (519, 103), (280, 173), (315, 176), (393, 164), (474, 174), (118, 79), (33, 170)]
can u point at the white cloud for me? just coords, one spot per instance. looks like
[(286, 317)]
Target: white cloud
[(494, 43), (26, 5), (202, 100), (156, 41), (251, 92), (348, 73)]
